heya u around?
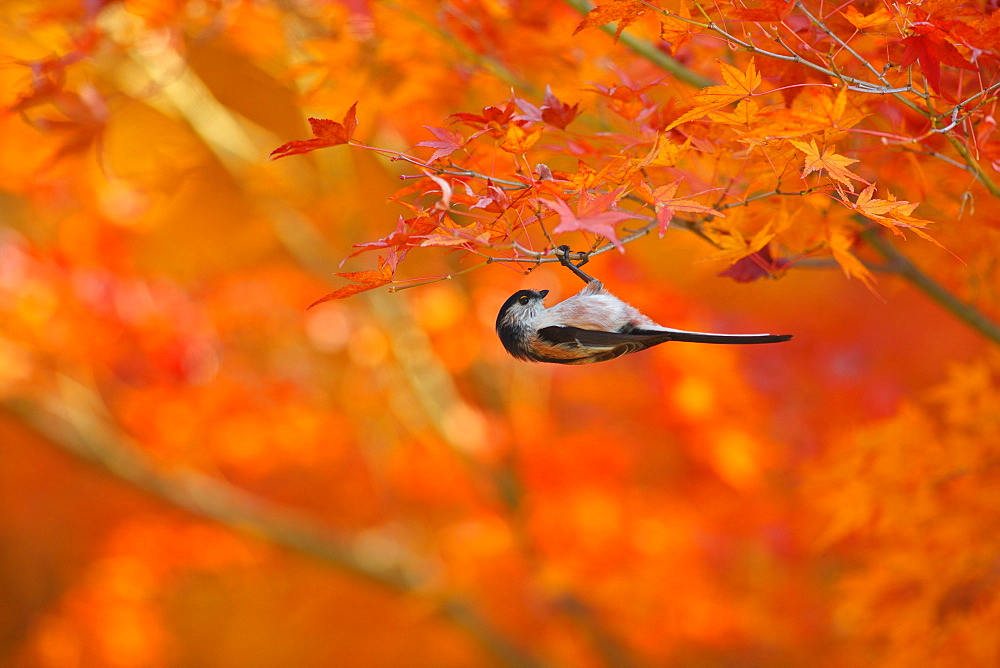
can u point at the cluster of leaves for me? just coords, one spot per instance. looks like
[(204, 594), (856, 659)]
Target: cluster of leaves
[(752, 156)]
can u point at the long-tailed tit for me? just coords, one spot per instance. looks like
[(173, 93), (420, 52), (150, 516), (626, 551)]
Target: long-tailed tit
[(591, 326)]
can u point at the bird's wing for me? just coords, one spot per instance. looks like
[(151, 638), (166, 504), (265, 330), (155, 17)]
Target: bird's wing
[(598, 346)]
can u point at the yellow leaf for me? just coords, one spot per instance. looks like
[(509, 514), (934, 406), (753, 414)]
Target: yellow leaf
[(891, 213), (664, 153), (833, 164), (860, 21), (738, 86), (517, 140), (840, 240), (744, 114)]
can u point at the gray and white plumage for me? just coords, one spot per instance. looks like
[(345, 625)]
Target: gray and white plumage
[(591, 326)]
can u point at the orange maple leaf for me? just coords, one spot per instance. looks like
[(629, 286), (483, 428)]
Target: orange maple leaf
[(676, 31), (861, 21), (664, 152), (625, 12), (732, 245), (326, 133), (364, 281), (518, 140), (592, 215), (738, 86), (840, 240), (891, 213), (667, 206), (832, 163)]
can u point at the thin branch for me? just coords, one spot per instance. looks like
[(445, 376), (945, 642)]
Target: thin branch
[(974, 167), (903, 266)]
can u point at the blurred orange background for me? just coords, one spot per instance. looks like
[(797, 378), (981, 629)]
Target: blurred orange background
[(196, 471)]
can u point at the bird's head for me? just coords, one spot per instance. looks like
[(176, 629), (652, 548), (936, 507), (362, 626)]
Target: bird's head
[(515, 319)]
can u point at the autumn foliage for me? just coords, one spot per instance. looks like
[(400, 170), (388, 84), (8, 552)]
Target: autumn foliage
[(254, 412)]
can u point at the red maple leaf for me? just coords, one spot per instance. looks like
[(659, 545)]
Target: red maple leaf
[(492, 121), (553, 111), (929, 46), (592, 215), (409, 233), (754, 266), (363, 281), (556, 112), (447, 142), (326, 133)]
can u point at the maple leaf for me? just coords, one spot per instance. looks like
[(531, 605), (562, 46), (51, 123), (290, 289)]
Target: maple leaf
[(754, 266), (890, 213), (592, 215), (492, 121), (447, 142), (626, 101), (833, 164), (625, 12), (732, 244), (745, 114), (587, 177), (495, 199), (664, 153), (930, 48), (556, 112), (840, 240), (518, 140), (447, 191), (326, 133), (363, 281), (408, 234), (667, 206), (738, 86), (450, 234), (861, 21), (675, 31)]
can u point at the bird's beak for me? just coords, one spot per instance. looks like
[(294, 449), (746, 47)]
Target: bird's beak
[(543, 292)]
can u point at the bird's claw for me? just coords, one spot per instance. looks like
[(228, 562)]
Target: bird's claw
[(563, 252)]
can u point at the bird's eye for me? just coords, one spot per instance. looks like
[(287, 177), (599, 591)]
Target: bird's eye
[(523, 300)]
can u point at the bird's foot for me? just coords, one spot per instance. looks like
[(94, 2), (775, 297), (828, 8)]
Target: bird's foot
[(562, 253)]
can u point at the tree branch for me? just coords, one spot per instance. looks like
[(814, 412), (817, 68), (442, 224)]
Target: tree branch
[(73, 421), (647, 50), (903, 266)]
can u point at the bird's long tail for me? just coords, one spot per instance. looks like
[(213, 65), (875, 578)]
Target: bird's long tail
[(708, 337)]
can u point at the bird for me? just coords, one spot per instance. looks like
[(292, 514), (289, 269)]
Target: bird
[(591, 326)]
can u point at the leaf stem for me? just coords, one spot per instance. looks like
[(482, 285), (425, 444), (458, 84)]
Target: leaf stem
[(437, 279)]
